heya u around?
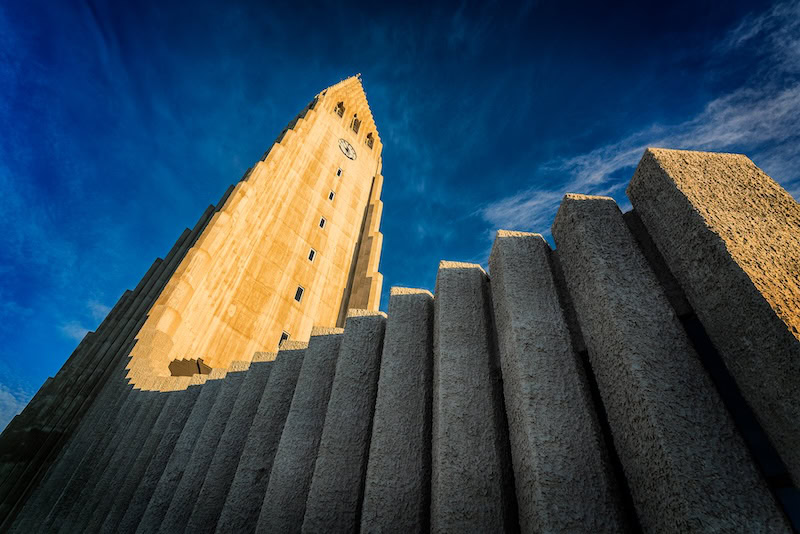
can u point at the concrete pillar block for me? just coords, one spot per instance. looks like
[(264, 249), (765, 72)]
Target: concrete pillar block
[(222, 468), (191, 482), (729, 234), (337, 488), (162, 485), (397, 487), (243, 502), (284, 502), (471, 480), (686, 465), (561, 470)]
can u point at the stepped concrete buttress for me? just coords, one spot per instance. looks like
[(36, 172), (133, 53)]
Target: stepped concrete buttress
[(564, 480), (219, 476), (191, 482), (397, 488), (243, 503), (729, 234), (337, 488), (471, 481), (686, 465), (284, 502)]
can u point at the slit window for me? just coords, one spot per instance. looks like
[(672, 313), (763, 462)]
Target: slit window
[(298, 295), (284, 337), (338, 172), (322, 222), (331, 196), (312, 254)]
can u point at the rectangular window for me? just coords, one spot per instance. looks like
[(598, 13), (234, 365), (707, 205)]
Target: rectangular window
[(338, 172), (298, 295), (331, 195), (322, 222), (284, 337), (312, 254)]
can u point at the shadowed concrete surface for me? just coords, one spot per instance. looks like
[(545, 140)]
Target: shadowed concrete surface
[(729, 233), (334, 499), (604, 386), (664, 412), (556, 442), (293, 467), (397, 486)]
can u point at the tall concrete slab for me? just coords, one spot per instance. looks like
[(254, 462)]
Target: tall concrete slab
[(242, 505), (187, 490), (563, 476), (160, 485), (731, 236), (471, 480), (337, 488), (686, 465), (284, 502), (398, 481), (222, 469)]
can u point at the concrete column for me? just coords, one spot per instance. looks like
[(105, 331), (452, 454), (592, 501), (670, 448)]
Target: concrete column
[(685, 463), (398, 481), (290, 479), (121, 492), (471, 481), (337, 488), (731, 236), (144, 486), (241, 508), (561, 470), (222, 468), (194, 472), (162, 491)]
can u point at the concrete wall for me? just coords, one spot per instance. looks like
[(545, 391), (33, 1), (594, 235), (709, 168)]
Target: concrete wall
[(562, 391)]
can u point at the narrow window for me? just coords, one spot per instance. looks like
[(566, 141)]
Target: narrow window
[(331, 195), (338, 172), (370, 140), (312, 254), (340, 109), (298, 295), (284, 337), (356, 124), (322, 222)]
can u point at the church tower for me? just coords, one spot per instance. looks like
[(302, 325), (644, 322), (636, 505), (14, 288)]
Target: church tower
[(294, 246)]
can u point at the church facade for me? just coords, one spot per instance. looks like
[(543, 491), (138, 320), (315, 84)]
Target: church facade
[(642, 376)]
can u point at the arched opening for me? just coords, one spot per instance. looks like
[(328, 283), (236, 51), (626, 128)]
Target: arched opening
[(370, 140), (340, 109), (356, 124)]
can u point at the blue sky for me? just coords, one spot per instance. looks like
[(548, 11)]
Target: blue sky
[(121, 124)]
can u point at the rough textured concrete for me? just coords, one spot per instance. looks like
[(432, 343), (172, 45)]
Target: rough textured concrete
[(284, 503), (243, 503), (152, 498), (398, 482), (687, 467), (337, 488), (471, 481), (175, 412), (563, 478), (222, 469), (731, 236), (191, 482), (145, 485)]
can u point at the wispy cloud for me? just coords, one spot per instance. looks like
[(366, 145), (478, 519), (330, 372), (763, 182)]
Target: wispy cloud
[(760, 118), (73, 330), (98, 309)]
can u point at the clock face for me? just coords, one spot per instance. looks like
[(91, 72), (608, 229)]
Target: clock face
[(347, 148)]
